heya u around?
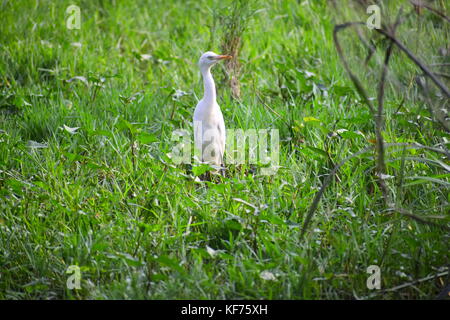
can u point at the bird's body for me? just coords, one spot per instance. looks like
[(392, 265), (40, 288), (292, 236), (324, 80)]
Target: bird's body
[(209, 125), (210, 137)]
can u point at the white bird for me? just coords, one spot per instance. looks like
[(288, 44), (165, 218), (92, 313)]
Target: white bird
[(209, 126)]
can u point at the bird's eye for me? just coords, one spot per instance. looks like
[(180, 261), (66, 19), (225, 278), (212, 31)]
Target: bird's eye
[(210, 57)]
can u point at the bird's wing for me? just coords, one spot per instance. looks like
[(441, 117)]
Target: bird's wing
[(197, 125), (222, 135)]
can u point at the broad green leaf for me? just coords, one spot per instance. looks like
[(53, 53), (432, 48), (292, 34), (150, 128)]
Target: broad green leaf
[(200, 169), (105, 133), (146, 138), (171, 263), (310, 119), (318, 151)]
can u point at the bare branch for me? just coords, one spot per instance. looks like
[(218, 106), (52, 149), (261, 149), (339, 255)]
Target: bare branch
[(354, 79), (325, 184), (379, 124), (426, 6), (422, 220), (408, 284), (419, 63)]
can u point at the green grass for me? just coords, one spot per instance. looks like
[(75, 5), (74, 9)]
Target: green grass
[(107, 198)]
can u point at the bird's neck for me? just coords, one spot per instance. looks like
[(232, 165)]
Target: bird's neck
[(209, 95)]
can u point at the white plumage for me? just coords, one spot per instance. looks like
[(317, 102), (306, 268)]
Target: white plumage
[(209, 126)]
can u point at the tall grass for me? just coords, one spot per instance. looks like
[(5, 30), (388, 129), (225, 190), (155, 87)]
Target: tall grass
[(85, 178)]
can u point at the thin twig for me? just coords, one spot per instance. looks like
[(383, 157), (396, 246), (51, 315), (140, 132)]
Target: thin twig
[(354, 79), (443, 75), (325, 184), (379, 124), (333, 172), (407, 284), (441, 120), (273, 111), (408, 214), (418, 146), (419, 63), (426, 6)]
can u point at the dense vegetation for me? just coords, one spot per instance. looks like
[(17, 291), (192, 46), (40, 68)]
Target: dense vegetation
[(86, 120)]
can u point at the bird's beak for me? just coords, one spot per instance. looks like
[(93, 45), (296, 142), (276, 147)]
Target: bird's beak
[(223, 57)]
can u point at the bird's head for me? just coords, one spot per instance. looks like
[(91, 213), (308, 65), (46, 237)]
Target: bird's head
[(208, 59)]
